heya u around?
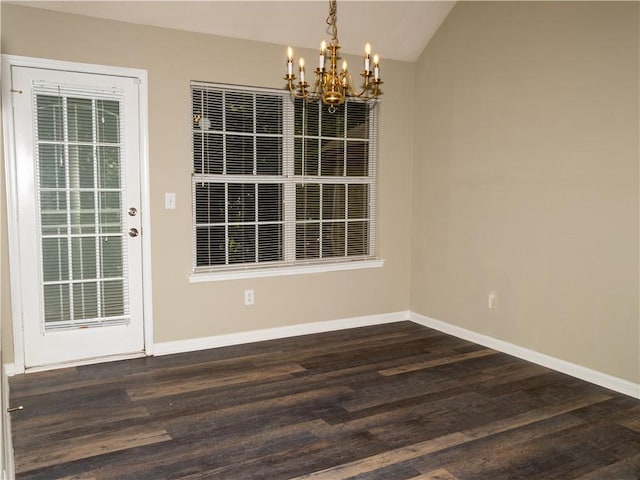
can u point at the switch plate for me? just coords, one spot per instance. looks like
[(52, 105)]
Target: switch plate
[(170, 201)]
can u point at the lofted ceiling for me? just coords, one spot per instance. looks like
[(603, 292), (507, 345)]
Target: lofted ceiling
[(397, 30)]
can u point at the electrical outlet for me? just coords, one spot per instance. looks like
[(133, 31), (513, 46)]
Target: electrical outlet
[(248, 297), (492, 300)]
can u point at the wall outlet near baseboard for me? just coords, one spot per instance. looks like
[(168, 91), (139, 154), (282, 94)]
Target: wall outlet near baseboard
[(492, 300), (248, 297)]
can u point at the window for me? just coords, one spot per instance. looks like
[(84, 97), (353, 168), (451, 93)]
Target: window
[(280, 183)]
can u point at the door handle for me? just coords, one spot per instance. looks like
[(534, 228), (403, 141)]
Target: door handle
[(133, 232)]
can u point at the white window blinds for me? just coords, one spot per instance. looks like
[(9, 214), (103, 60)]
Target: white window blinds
[(280, 183), (80, 195)]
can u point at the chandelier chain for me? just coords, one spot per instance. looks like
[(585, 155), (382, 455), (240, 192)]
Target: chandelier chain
[(332, 21)]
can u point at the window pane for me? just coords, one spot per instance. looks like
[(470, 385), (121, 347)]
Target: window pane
[(207, 110), (210, 246), (85, 300), (108, 120), (239, 155), (53, 213), (307, 201), (358, 201), (56, 303), (79, 119), (110, 212), (270, 243), (333, 123), (269, 156), (51, 164), (268, 114), (358, 238), (242, 202), (307, 116), (270, 202), (307, 164), (50, 124), (82, 212), (207, 153), (210, 206), (242, 244), (307, 240), (81, 172), (333, 202), (108, 167), (239, 112), (333, 239), (55, 259), (111, 257), (83, 258), (332, 158), (357, 120), (357, 159), (112, 298)]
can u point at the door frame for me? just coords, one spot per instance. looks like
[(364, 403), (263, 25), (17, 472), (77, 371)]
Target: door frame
[(10, 159)]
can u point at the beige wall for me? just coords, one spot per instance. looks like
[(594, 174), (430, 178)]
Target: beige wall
[(173, 58), (526, 178), (522, 179)]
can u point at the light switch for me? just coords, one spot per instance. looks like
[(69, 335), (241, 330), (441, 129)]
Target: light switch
[(170, 201)]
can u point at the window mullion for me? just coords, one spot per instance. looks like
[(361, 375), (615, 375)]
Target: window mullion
[(288, 164)]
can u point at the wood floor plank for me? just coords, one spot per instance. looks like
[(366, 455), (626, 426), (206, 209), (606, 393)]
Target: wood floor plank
[(387, 458), (87, 445), (437, 362), (440, 474), (387, 402), (176, 386)]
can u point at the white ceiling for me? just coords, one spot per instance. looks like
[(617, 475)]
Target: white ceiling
[(397, 30)]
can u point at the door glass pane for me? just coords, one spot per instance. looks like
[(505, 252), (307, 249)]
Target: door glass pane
[(108, 121), (79, 120), (79, 167), (56, 303)]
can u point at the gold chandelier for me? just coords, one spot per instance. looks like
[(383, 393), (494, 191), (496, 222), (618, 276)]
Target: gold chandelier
[(330, 86)]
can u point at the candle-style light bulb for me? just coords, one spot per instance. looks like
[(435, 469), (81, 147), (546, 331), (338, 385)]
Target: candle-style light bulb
[(376, 67), (323, 49), (344, 66), (289, 61), (301, 63), (367, 58)]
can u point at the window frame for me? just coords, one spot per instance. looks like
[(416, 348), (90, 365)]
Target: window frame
[(289, 265)]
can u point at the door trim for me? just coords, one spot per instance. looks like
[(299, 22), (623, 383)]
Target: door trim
[(9, 61)]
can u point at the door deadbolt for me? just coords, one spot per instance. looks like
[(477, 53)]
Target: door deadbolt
[(133, 212), (133, 232)]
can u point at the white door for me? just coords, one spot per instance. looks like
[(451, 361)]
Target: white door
[(77, 152)]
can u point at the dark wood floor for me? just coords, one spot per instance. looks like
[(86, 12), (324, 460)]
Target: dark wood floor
[(392, 402)]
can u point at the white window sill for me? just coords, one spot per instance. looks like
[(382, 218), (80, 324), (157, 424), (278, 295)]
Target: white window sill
[(282, 271)]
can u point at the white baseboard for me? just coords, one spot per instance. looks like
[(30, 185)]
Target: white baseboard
[(10, 369), (593, 376), (193, 344)]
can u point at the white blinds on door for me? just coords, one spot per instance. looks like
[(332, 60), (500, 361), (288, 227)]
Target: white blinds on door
[(80, 199)]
